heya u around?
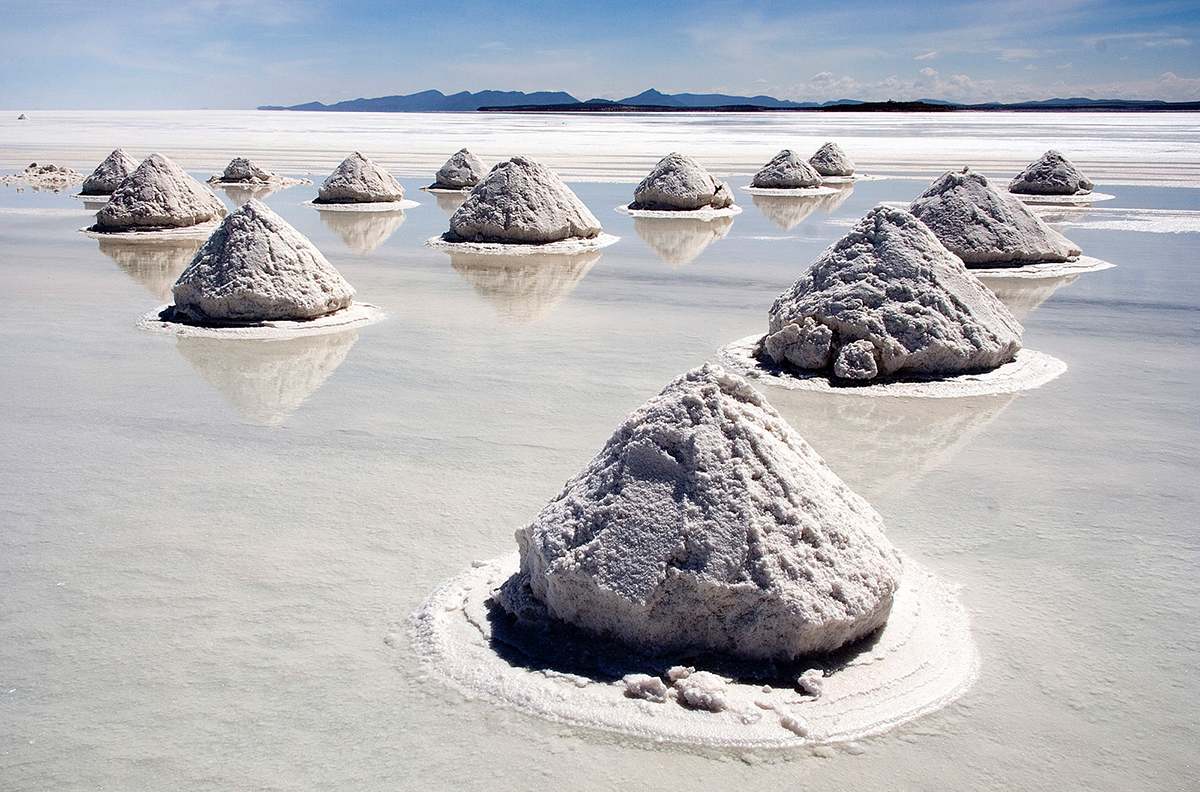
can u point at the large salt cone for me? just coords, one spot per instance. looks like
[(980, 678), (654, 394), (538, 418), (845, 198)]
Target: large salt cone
[(109, 174), (158, 194), (886, 299), (461, 171), (831, 160), (359, 180), (257, 268), (986, 228), (522, 201), (242, 171), (787, 170), (680, 183), (707, 524), (1050, 174)]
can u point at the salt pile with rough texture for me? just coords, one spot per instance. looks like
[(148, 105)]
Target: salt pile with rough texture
[(522, 201), (242, 171), (1050, 174), (461, 172), (888, 299), (359, 180), (158, 195), (109, 174), (787, 170), (707, 523), (258, 268), (679, 183), (44, 177), (986, 228), (831, 160)]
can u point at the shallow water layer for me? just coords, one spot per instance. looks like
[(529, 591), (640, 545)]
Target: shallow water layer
[(209, 554)]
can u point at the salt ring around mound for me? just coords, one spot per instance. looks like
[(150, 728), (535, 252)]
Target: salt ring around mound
[(1078, 199), (447, 190), (376, 206), (1048, 269), (1028, 370), (278, 182), (922, 660), (199, 231), (857, 177), (792, 192), (355, 315), (704, 213), (562, 247), (93, 199)]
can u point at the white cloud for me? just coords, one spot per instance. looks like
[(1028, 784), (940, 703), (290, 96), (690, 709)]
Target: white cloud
[(927, 55), (928, 72)]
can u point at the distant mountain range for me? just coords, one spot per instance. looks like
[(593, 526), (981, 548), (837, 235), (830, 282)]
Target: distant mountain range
[(656, 101)]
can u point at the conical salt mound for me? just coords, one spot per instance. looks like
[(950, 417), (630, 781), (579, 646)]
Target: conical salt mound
[(707, 523), (830, 160), (158, 194), (985, 228), (886, 299), (242, 171), (257, 268), (679, 183), (1050, 174), (109, 174), (786, 171), (461, 171), (359, 180), (522, 201)]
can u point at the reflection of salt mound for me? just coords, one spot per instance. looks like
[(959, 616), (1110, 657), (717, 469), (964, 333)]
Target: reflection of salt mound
[(265, 381), (1024, 295), (789, 211), (358, 179), (1050, 174), (886, 299), (462, 171), (985, 228), (257, 268), (155, 265), (523, 288), (830, 160), (677, 183), (157, 195), (707, 524), (109, 174), (449, 202), (363, 232), (678, 241), (522, 201), (240, 194), (787, 170)]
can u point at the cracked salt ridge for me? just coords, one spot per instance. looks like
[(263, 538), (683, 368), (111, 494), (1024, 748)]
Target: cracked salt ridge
[(198, 231), (1078, 199), (358, 314), (372, 206), (562, 246), (1028, 370), (703, 213), (796, 192), (922, 660)]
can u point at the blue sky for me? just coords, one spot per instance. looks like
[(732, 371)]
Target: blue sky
[(240, 53)]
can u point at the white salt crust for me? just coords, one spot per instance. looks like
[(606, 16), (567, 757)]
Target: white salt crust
[(858, 177), (276, 183), (376, 206), (563, 246), (445, 191), (198, 231), (923, 659), (356, 315), (703, 213), (791, 192), (1078, 199), (1028, 370), (1049, 269)]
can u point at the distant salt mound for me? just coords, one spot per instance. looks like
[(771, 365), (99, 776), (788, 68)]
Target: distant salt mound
[(44, 176), (888, 299), (359, 180), (242, 171), (257, 268), (522, 201), (22, 117), (985, 228), (831, 160), (679, 183), (1050, 174), (462, 171), (707, 524), (109, 174), (786, 171), (158, 195)]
